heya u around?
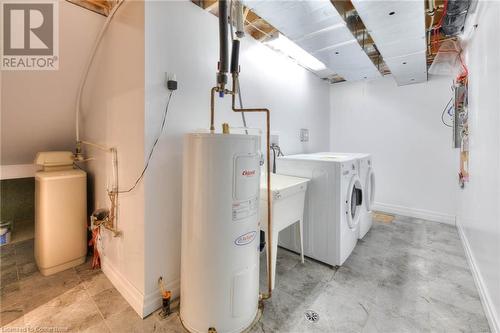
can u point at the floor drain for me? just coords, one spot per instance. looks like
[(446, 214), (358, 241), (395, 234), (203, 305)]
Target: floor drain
[(311, 316)]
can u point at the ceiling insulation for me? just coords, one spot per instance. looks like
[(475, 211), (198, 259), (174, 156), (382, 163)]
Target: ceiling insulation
[(398, 29), (317, 27), (296, 19)]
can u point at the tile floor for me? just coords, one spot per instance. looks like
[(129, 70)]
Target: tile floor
[(407, 276)]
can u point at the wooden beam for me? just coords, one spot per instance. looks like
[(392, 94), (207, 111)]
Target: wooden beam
[(210, 4), (102, 7)]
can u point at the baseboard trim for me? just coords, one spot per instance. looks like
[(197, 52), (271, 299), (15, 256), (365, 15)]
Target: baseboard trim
[(131, 294), (144, 305), (414, 212), (152, 301), (493, 321)]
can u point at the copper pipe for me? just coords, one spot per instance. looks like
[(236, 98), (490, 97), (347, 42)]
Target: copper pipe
[(268, 157), (212, 108), (212, 105)]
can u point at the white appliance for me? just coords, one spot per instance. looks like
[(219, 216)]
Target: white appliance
[(220, 232), (60, 213), (367, 177), (332, 207)]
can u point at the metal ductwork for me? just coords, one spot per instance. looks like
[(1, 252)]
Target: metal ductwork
[(454, 20)]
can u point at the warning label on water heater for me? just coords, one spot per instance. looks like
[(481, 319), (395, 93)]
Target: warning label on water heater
[(244, 209), (246, 186)]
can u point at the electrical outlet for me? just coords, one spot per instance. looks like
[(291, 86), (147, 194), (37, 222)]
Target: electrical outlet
[(304, 135), (170, 81)]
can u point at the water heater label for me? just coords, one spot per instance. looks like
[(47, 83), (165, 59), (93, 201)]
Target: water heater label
[(244, 209), (245, 238), (246, 185)]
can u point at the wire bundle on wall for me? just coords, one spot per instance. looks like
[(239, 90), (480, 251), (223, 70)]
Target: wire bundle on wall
[(152, 148), (108, 220), (448, 55)]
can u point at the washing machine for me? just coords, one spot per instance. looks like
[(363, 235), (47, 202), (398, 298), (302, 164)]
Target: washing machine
[(332, 207), (367, 177)]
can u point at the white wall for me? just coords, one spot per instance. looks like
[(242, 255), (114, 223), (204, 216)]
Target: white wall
[(478, 208), (37, 106), (297, 99), (401, 127), (113, 115)]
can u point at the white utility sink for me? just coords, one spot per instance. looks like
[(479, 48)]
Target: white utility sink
[(288, 196)]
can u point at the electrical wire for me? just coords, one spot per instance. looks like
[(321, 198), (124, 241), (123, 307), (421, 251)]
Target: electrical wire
[(462, 77), (152, 148), (447, 109)]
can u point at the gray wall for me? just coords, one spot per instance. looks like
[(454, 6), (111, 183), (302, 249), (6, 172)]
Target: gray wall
[(37, 107)]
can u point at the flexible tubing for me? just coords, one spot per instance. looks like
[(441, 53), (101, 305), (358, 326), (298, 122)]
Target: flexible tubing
[(231, 4), (89, 64)]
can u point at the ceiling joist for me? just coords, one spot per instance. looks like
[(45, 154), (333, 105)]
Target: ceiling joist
[(102, 7)]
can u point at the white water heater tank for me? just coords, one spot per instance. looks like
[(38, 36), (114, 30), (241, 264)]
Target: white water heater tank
[(220, 232)]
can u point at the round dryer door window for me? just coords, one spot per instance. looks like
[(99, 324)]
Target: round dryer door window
[(354, 202)]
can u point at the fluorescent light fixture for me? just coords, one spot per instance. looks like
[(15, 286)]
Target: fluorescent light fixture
[(284, 45)]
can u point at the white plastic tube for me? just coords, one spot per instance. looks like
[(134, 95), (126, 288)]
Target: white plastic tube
[(89, 64)]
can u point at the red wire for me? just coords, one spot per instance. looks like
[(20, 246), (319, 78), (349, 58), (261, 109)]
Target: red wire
[(465, 72), (440, 24), (437, 41), (445, 9), (96, 260)]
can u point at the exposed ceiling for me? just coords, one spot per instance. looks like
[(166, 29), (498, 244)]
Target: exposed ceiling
[(318, 28), (355, 39), (398, 30)]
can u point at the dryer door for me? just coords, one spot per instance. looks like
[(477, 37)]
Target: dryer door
[(354, 201)]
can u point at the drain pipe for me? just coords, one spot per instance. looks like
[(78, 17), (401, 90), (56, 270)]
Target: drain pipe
[(110, 222)]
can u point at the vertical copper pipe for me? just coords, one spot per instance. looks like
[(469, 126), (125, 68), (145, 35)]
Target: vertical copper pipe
[(269, 203), (268, 157), (212, 109)]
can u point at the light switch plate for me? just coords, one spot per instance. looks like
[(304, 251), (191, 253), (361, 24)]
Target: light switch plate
[(304, 135)]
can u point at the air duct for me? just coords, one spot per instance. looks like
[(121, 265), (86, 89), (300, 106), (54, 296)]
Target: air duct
[(454, 19)]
